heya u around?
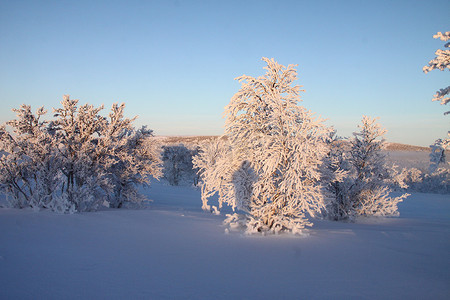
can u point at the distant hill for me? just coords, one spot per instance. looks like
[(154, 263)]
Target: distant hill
[(196, 139), (184, 139), (405, 147)]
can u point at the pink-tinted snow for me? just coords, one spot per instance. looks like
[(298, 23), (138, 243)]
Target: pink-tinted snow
[(175, 251)]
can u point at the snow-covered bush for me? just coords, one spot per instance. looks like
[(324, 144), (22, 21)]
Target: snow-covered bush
[(364, 189), (178, 165), (437, 155), (30, 166), (335, 176), (77, 160), (437, 181), (267, 165), (131, 164)]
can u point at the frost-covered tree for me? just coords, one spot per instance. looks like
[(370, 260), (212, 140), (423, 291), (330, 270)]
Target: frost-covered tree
[(364, 189), (440, 62), (216, 167), (77, 160), (270, 172), (424, 182), (335, 168), (132, 164), (437, 154), (29, 164), (76, 132), (195, 171), (178, 166)]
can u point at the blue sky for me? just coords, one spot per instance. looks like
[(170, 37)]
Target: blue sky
[(174, 62)]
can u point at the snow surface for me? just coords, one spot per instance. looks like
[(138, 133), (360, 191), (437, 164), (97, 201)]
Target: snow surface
[(173, 250), (410, 159)]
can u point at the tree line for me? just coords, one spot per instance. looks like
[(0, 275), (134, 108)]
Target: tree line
[(277, 165)]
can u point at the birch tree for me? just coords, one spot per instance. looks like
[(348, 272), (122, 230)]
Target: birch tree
[(440, 62), (77, 160), (275, 149)]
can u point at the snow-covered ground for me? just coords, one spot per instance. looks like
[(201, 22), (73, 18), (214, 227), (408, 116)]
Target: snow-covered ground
[(173, 250), (410, 159)]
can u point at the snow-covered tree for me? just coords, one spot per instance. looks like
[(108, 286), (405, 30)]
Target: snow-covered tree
[(335, 168), (271, 174), (440, 62), (195, 171), (216, 167), (437, 154), (29, 165), (132, 164), (76, 132), (425, 182), (76, 161), (364, 190), (178, 166)]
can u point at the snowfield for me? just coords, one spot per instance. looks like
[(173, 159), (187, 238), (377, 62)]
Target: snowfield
[(173, 250)]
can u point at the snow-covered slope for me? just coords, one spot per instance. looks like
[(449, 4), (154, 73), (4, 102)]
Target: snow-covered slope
[(175, 251)]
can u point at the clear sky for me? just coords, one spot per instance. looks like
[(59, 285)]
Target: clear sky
[(174, 62)]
